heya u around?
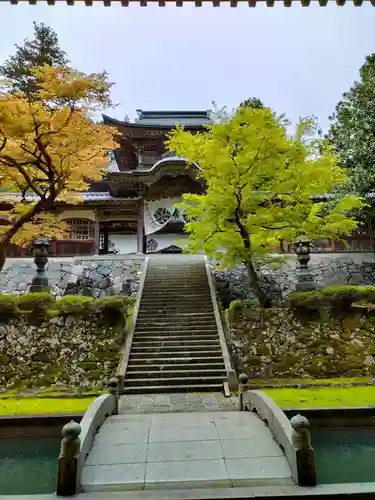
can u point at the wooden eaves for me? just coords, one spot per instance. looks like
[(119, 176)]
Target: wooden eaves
[(198, 3)]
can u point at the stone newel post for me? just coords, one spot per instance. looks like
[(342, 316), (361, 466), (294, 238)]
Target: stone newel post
[(243, 378), (113, 388), (41, 248), (68, 460), (305, 457)]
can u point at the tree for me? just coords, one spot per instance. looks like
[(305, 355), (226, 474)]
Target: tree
[(253, 102), (352, 131), (260, 185), (50, 150), (42, 49)]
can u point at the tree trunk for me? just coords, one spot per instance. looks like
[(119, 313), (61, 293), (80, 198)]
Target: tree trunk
[(255, 284), (3, 256)]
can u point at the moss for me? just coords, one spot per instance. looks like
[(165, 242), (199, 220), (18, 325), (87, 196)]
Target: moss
[(36, 302), (8, 306), (75, 305), (338, 299)]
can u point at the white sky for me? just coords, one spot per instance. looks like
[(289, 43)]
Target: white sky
[(297, 60)]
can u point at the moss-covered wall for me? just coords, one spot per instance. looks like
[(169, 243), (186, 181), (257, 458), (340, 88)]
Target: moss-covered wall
[(74, 342), (288, 346)]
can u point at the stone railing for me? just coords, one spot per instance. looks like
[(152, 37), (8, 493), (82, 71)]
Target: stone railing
[(121, 370), (231, 374), (292, 436), (78, 440)]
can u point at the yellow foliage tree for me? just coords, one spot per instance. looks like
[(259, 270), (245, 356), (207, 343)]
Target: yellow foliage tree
[(50, 150)]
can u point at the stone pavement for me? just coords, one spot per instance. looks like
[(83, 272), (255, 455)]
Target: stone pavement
[(184, 450), (165, 403)]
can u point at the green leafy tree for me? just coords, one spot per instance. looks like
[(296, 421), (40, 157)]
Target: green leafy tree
[(253, 102), (260, 185), (42, 49), (352, 131)]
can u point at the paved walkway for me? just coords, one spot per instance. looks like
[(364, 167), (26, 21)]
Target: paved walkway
[(211, 449), (165, 403)]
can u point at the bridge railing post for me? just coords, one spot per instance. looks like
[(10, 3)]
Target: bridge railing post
[(305, 457), (68, 460), (114, 389), (243, 380)]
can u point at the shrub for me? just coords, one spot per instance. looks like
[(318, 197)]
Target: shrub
[(238, 307), (37, 302), (114, 309), (337, 298), (8, 305), (75, 305)]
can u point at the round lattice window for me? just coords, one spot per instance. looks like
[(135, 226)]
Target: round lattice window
[(162, 215), (152, 245)]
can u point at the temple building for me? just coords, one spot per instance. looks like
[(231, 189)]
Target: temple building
[(133, 208)]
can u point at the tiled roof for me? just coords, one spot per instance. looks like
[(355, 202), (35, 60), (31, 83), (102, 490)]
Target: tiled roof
[(170, 118), (87, 196), (199, 3)]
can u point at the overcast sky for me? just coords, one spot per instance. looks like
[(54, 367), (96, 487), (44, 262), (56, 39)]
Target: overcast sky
[(297, 60)]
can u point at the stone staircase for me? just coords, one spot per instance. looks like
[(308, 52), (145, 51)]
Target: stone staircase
[(176, 346)]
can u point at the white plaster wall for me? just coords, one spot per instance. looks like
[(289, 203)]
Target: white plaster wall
[(124, 243)]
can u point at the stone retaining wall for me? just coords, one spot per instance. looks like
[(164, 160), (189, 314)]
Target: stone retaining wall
[(326, 270), (95, 277), (68, 352), (287, 347)]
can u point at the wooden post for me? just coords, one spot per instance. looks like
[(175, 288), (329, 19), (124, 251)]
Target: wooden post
[(301, 439), (68, 460), (243, 378), (141, 230), (96, 235)]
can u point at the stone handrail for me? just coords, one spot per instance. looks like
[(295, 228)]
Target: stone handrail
[(231, 374), (123, 364), (292, 436), (77, 443)]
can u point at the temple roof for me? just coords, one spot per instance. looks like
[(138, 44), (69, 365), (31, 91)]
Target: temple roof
[(163, 120), (170, 118)]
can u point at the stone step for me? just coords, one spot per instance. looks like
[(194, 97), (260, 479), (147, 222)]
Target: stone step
[(197, 332), (181, 319), (160, 330), (177, 285), (186, 294), (174, 339), (182, 353), (176, 273), (183, 308), (174, 324), (170, 348), (196, 373), (175, 358), (156, 389), (162, 316), (173, 298), (175, 367), (171, 381)]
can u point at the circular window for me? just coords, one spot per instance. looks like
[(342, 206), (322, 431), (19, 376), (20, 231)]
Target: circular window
[(152, 245), (162, 215)]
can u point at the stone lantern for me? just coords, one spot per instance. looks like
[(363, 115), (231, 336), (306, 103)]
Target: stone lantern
[(41, 248), (302, 248), (305, 279)]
